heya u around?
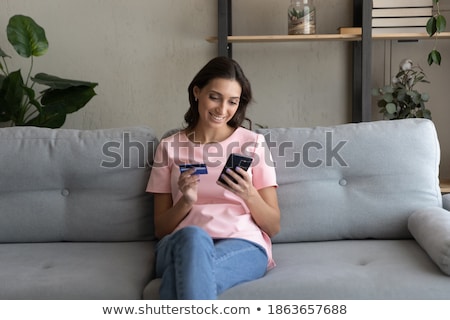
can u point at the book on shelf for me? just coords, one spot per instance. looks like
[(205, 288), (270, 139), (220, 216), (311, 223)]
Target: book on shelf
[(350, 30), (401, 3), (402, 12), (398, 30), (375, 31), (400, 22)]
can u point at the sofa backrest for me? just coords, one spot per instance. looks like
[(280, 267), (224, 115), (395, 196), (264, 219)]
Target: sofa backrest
[(354, 181), (72, 185)]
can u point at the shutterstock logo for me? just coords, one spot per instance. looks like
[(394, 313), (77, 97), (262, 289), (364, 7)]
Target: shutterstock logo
[(128, 153), (311, 154)]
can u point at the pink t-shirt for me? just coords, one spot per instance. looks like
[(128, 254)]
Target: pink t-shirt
[(219, 212)]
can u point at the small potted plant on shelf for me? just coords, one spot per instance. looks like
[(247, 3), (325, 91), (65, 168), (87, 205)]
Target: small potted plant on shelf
[(20, 104), (400, 99)]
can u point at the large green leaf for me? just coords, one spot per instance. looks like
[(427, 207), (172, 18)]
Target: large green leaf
[(31, 98), (67, 100), (4, 116), (388, 97), (391, 108), (434, 57), (52, 121), (55, 82), (431, 26), (11, 95), (441, 23), (26, 36)]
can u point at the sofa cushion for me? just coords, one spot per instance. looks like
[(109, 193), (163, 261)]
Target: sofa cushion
[(75, 185), (446, 201), (354, 181), (347, 270), (431, 229), (75, 270)]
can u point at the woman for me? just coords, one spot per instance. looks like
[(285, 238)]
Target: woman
[(213, 235)]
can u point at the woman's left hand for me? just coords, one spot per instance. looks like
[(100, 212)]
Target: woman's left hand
[(243, 186)]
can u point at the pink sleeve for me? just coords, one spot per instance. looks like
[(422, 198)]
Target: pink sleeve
[(263, 169), (159, 181)]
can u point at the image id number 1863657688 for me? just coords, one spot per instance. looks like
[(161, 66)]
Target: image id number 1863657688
[(307, 309)]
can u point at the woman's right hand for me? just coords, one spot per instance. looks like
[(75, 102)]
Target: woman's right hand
[(188, 183), (168, 215)]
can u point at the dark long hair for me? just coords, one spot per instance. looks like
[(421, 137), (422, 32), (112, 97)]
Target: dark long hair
[(224, 68)]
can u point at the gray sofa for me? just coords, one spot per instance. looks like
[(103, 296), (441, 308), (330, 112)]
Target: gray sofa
[(75, 222), (362, 214)]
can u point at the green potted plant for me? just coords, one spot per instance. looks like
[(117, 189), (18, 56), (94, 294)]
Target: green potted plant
[(400, 99), (20, 103)]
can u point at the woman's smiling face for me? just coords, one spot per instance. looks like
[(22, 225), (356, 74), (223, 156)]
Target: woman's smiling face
[(218, 101)]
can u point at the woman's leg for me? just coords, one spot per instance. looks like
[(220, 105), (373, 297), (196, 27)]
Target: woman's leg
[(237, 261), (184, 261), (192, 266)]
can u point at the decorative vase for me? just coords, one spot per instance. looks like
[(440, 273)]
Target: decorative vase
[(301, 17)]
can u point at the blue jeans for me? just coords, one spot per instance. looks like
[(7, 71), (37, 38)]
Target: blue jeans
[(193, 266)]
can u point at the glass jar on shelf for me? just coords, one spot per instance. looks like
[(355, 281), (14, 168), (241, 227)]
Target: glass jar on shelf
[(302, 17)]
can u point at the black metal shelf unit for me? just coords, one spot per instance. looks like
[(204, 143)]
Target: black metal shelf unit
[(362, 53)]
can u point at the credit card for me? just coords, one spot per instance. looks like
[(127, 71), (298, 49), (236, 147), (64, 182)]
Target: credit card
[(200, 168)]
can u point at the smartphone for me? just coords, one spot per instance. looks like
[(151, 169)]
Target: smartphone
[(233, 161), (200, 168)]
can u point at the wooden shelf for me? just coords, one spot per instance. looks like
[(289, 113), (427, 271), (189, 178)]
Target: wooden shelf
[(409, 36), (289, 38), (445, 185), (327, 37)]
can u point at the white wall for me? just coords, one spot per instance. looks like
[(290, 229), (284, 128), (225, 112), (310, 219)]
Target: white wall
[(144, 53)]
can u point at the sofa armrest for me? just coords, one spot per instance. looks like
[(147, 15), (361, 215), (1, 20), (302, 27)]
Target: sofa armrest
[(431, 229), (446, 201)]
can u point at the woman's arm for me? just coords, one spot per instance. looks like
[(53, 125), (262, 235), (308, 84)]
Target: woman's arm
[(168, 215), (265, 211), (263, 203)]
